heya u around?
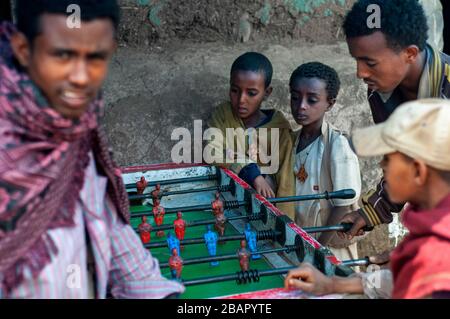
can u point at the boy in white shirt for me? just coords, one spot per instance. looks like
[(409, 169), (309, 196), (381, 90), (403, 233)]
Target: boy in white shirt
[(322, 157)]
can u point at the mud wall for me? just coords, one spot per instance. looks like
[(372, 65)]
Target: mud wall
[(154, 21)]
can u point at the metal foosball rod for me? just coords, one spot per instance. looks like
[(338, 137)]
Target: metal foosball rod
[(222, 189), (176, 181), (344, 227), (356, 262), (241, 277), (341, 227), (253, 275), (260, 235), (342, 194), (200, 260), (204, 222), (186, 209)]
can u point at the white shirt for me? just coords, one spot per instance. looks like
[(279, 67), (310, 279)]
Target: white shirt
[(344, 169)]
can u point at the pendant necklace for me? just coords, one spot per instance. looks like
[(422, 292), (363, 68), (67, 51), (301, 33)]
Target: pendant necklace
[(302, 174)]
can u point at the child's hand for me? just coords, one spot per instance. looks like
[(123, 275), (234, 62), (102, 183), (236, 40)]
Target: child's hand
[(308, 279), (262, 187), (358, 224)]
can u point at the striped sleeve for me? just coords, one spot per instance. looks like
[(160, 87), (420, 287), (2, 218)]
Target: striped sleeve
[(376, 207)]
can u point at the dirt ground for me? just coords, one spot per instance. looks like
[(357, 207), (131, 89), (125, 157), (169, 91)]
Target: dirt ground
[(148, 22)]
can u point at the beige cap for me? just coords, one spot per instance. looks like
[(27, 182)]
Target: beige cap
[(419, 129)]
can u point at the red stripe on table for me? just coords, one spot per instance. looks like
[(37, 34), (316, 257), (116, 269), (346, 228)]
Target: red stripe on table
[(334, 260), (155, 167), (305, 235), (274, 209), (276, 293), (236, 178), (280, 293)]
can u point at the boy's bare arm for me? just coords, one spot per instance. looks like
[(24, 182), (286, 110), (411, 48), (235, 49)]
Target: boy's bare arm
[(376, 209), (308, 279), (347, 285)]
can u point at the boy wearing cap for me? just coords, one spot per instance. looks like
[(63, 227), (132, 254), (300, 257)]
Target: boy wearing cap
[(415, 143)]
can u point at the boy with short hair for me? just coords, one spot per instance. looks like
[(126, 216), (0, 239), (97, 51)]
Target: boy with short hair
[(398, 66), (250, 78), (415, 142), (322, 157), (62, 199)]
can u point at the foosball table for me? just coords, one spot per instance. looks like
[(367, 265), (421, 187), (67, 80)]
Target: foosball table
[(212, 232)]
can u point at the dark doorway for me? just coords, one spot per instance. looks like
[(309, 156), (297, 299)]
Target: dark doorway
[(5, 10)]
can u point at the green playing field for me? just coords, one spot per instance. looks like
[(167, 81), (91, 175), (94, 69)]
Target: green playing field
[(196, 271)]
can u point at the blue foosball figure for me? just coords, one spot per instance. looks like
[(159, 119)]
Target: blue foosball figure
[(211, 243), (173, 242), (250, 236)]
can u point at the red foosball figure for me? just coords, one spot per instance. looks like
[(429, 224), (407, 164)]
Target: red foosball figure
[(141, 185), (175, 264), (217, 205), (244, 256), (179, 226), (145, 230), (219, 226), (158, 214), (156, 193)]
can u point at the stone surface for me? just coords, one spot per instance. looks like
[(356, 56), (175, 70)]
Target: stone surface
[(147, 22)]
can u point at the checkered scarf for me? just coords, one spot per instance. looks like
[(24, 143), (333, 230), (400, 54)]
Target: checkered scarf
[(43, 157)]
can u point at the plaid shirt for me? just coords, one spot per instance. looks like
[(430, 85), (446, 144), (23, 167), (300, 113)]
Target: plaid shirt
[(120, 264)]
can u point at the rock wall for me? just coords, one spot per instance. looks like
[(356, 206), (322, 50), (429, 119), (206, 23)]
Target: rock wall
[(154, 21)]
